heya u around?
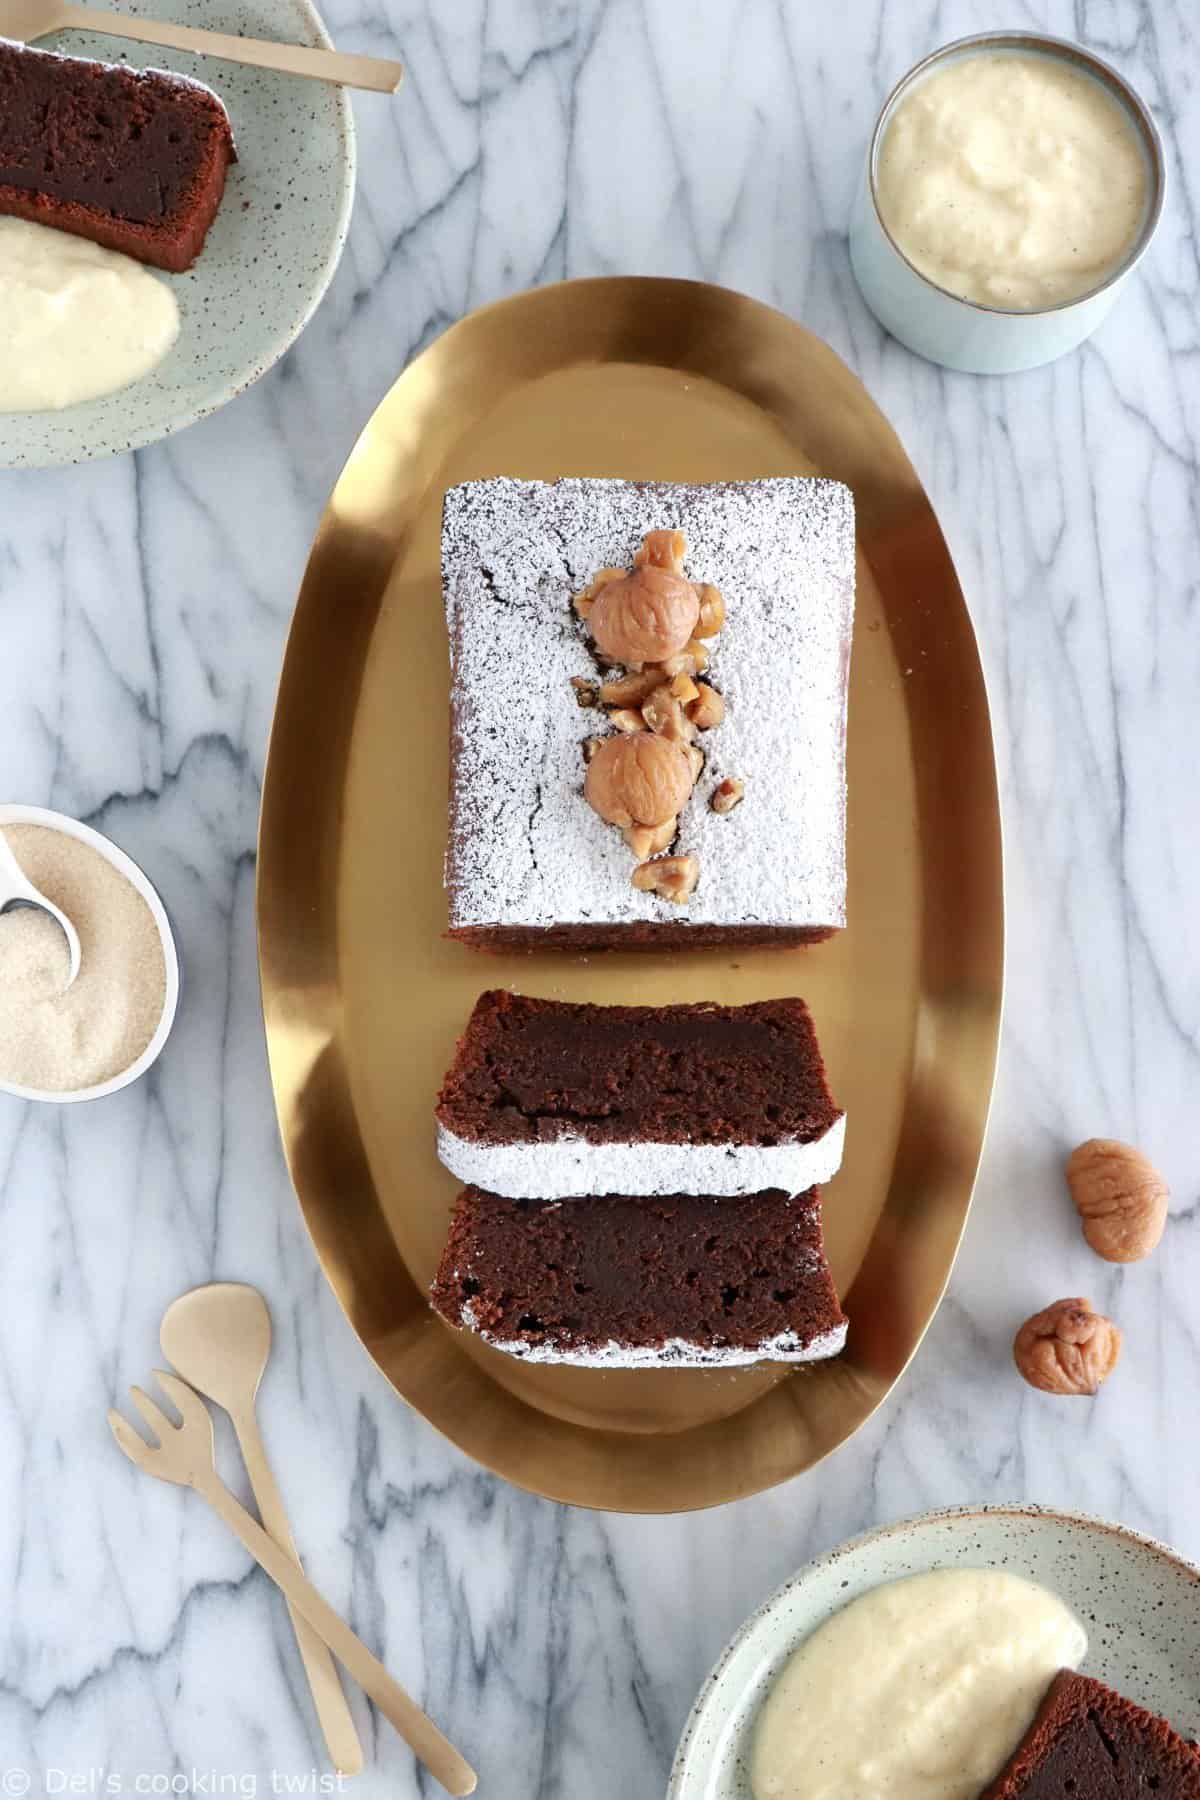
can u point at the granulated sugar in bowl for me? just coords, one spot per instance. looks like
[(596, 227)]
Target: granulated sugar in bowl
[(62, 1043)]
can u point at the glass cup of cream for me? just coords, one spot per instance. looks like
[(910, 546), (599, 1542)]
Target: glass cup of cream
[(1013, 183)]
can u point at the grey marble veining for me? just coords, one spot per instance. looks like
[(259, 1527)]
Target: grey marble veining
[(143, 605)]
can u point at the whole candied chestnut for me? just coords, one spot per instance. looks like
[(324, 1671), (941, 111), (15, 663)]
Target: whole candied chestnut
[(1121, 1197), (1067, 1348), (644, 617), (637, 780)]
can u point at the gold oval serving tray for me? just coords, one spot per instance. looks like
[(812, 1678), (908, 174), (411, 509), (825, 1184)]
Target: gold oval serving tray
[(654, 380)]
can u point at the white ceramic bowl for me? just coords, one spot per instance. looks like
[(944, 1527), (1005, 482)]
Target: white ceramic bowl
[(1139, 1601), (962, 334), (53, 821)]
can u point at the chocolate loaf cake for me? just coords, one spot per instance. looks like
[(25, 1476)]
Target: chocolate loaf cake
[(546, 1098), (132, 159), (1088, 1743), (621, 1281), (529, 863)]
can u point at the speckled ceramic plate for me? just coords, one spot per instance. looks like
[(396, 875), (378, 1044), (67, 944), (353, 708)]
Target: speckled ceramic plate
[(271, 252), (1139, 1601)]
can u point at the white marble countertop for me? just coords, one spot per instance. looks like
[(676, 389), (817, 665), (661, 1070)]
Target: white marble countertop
[(143, 605)]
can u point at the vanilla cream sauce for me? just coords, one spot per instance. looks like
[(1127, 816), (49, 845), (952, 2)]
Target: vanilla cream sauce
[(76, 321), (919, 1690), (1012, 179)]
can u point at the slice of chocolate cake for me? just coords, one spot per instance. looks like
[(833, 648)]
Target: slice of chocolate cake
[(132, 159), (530, 862), (622, 1281), (546, 1098), (1088, 1743)]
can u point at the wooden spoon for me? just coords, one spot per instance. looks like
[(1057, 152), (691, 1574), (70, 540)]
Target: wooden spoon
[(184, 1453), (219, 1338), (24, 20)]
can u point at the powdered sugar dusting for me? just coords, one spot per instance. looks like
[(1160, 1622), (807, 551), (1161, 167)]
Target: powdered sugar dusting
[(674, 1352), (525, 848), (571, 1165)]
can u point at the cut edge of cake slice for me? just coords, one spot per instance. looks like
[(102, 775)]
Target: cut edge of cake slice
[(157, 144), (622, 1281), (529, 1104), (1089, 1742)]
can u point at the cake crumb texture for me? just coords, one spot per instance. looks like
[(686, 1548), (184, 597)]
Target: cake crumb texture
[(528, 1070), (1089, 1743), (133, 159), (640, 1282)]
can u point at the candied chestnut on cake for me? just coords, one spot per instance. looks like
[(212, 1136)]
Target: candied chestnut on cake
[(645, 620), (644, 617), (640, 780)]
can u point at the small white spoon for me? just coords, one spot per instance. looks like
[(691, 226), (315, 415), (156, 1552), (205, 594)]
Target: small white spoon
[(17, 890)]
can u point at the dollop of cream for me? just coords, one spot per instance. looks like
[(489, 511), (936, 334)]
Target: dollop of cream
[(919, 1690), (1012, 179), (76, 321)]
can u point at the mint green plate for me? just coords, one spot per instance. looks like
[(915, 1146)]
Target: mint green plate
[(1139, 1601)]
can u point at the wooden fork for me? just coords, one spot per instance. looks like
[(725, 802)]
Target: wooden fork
[(184, 1454)]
